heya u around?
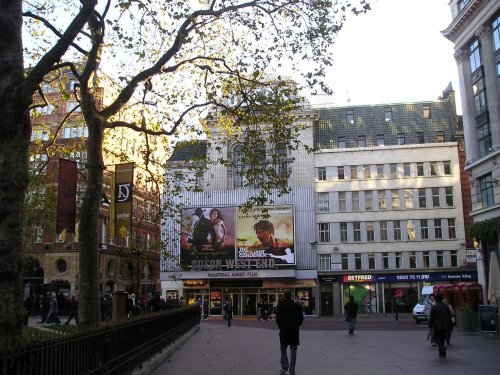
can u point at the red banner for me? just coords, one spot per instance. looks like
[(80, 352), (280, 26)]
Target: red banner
[(66, 196)]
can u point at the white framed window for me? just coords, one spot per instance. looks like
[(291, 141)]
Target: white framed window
[(424, 229), (399, 260), (342, 201), (449, 196), (422, 198), (322, 174), (406, 170), (395, 199), (394, 170), (413, 259), (357, 261), (440, 258), (380, 171), (72, 104), (408, 198), (340, 173), (371, 261), (383, 230), (427, 259), (325, 262), (343, 232), (438, 229), (382, 202), (410, 230), (354, 172), (435, 197), (385, 261), (396, 225), (367, 172), (324, 232), (452, 233), (40, 134), (356, 231), (368, 200), (355, 200), (370, 231), (324, 202)]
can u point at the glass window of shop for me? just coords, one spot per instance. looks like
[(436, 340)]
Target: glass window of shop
[(400, 297), (365, 296)]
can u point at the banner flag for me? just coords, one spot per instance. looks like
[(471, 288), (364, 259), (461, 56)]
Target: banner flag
[(66, 196), (124, 177)]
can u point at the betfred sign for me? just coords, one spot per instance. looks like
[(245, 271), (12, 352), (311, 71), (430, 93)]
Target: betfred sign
[(359, 278)]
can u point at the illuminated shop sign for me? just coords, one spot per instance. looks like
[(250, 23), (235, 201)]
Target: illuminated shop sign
[(394, 278), (227, 238)]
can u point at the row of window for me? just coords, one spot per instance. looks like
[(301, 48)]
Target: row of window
[(380, 140), (388, 260), (69, 131), (387, 230), (392, 170), (50, 109), (368, 200), (388, 115)]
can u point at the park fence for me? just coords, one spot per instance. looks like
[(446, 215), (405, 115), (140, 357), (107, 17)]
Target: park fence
[(114, 348)]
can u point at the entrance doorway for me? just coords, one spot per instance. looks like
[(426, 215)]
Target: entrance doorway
[(249, 304)]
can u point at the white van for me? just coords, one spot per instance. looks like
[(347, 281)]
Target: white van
[(419, 310)]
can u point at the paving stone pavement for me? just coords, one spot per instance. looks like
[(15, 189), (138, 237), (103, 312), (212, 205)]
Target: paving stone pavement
[(242, 350)]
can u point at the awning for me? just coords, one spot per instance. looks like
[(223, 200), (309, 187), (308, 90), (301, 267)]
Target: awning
[(286, 284)]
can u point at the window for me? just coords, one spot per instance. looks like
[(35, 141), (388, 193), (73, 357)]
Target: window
[(37, 234), (368, 200), (454, 258), (380, 140), (340, 173), (410, 230), (438, 230), (408, 198), (341, 142), (38, 163), (325, 261), (385, 261), (343, 232), (388, 114), (399, 260), (420, 137), (427, 259), (355, 200), (75, 131), (422, 198), (452, 234), (401, 139), (324, 232), (484, 138), (342, 201), (324, 202), (435, 197), (426, 111), (406, 170), (40, 134), (413, 259), (447, 167), (361, 141), (394, 170), (322, 174), (397, 230), (440, 136), (357, 261), (486, 188), (62, 266), (345, 262), (434, 168), (371, 261), (495, 26), (440, 259), (449, 196), (380, 171), (395, 199), (424, 229), (383, 231), (420, 169), (280, 161), (48, 109), (357, 231), (72, 104), (238, 166), (474, 55), (354, 172), (370, 231), (382, 204), (349, 116), (366, 172)]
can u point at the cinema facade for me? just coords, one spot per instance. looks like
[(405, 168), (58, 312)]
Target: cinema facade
[(240, 269)]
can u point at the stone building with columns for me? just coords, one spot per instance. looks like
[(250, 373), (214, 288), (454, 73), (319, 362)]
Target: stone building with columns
[(475, 31)]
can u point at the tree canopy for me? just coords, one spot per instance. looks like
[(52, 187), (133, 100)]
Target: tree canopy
[(171, 64)]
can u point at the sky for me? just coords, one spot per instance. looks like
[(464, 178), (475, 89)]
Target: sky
[(394, 53)]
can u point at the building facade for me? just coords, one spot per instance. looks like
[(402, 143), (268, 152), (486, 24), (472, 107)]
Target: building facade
[(475, 31), (377, 209)]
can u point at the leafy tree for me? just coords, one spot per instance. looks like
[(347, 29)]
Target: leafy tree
[(171, 61)]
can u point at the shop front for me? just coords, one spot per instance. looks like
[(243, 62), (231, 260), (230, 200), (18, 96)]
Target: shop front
[(382, 293)]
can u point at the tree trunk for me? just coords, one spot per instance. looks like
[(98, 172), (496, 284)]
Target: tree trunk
[(88, 237), (15, 130)]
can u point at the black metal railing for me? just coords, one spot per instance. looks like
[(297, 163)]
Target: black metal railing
[(115, 348)]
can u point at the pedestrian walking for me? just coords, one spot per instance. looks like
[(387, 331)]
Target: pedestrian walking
[(450, 331), (228, 309), (289, 317), (440, 321), (351, 312), (427, 309), (73, 309), (52, 316), (200, 309), (205, 309)]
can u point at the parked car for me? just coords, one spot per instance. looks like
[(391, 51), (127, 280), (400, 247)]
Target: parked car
[(419, 313)]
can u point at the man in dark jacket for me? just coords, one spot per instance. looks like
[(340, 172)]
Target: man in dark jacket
[(440, 321), (203, 231), (289, 317), (351, 312)]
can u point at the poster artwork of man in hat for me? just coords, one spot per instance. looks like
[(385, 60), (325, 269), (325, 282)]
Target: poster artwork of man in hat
[(203, 231)]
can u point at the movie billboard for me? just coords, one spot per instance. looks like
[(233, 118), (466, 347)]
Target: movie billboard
[(229, 237)]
